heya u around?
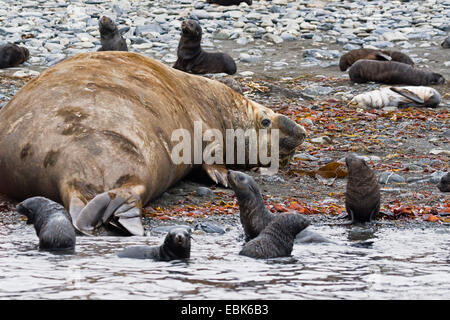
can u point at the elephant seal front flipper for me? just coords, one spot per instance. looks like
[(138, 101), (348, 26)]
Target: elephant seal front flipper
[(408, 94)]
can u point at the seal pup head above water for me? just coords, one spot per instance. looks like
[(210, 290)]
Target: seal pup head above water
[(362, 197), (277, 239), (177, 245), (391, 72), (349, 58), (12, 55), (51, 221), (446, 43), (110, 36), (229, 2), (193, 59)]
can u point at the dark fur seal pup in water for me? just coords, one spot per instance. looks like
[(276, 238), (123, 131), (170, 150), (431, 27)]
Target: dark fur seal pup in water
[(192, 58), (362, 198), (446, 43), (52, 223), (352, 56), (277, 239), (12, 55), (229, 2), (444, 184), (391, 72), (110, 37), (177, 245)]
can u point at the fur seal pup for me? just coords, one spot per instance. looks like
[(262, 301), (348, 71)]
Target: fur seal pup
[(349, 58), (110, 36), (444, 184), (411, 96), (101, 170), (192, 58), (229, 2), (277, 239), (177, 245), (51, 221), (362, 197), (11, 55), (446, 43), (391, 72)]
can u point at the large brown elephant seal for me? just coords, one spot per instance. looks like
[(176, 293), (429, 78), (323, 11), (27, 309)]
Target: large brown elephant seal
[(391, 72), (349, 58), (95, 132)]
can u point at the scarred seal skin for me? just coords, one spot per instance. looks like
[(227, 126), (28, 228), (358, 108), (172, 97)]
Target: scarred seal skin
[(177, 245), (277, 239), (51, 221), (229, 2), (99, 140), (362, 197), (11, 55), (391, 72), (110, 37), (349, 58), (444, 184), (193, 59)]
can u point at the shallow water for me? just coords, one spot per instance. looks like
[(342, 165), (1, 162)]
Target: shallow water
[(402, 263)]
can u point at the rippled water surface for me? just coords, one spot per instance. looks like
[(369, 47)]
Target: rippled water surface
[(400, 264)]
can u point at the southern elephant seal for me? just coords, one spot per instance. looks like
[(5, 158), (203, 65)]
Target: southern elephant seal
[(410, 96), (99, 140), (177, 245), (192, 58), (51, 221), (229, 2), (362, 197), (349, 58), (110, 37), (277, 239), (391, 72), (11, 55)]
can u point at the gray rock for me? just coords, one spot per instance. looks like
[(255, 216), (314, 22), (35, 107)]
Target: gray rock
[(204, 192), (390, 177)]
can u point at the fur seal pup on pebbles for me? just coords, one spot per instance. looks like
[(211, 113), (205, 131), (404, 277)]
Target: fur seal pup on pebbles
[(349, 58), (444, 184), (110, 36), (51, 221), (177, 245), (192, 58), (411, 96), (446, 43), (391, 72), (277, 239), (11, 55), (362, 197), (229, 2)]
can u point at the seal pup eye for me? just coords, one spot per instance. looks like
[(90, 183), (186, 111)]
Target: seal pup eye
[(265, 122)]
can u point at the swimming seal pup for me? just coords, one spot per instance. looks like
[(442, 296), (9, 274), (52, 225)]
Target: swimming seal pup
[(391, 72), (362, 197), (102, 141), (11, 55), (444, 184), (410, 96), (277, 239), (177, 245), (349, 58), (51, 221), (192, 58), (446, 43), (110, 37), (229, 2)]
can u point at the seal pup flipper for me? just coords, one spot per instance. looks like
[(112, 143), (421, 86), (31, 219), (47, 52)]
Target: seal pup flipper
[(381, 56), (408, 95), (218, 173)]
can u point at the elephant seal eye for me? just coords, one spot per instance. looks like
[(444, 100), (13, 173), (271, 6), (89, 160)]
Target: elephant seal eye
[(265, 123)]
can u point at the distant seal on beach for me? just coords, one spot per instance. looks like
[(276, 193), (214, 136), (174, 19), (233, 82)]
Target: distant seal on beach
[(107, 146), (11, 55), (362, 197), (349, 58), (446, 43), (177, 245), (110, 37), (229, 2), (51, 221), (391, 72), (409, 96), (277, 239), (444, 184), (192, 58)]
